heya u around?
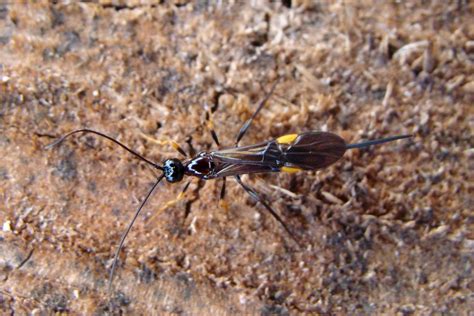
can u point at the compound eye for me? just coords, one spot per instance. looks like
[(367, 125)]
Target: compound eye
[(173, 170)]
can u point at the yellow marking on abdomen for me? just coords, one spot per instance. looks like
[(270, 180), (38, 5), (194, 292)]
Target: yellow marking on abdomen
[(290, 169), (286, 139)]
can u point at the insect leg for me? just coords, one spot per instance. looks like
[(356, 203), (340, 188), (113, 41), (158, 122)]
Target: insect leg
[(124, 235), (170, 203), (210, 126), (187, 209), (257, 198), (247, 124), (222, 195), (192, 151), (169, 142), (222, 202)]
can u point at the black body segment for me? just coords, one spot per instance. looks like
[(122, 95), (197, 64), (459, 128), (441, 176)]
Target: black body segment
[(202, 166)]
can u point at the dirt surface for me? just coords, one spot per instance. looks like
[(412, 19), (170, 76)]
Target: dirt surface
[(386, 230)]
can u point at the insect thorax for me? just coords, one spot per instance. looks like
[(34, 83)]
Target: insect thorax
[(201, 166)]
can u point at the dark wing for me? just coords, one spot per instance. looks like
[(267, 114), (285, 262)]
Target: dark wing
[(312, 150), (227, 170), (306, 151), (246, 159), (252, 154)]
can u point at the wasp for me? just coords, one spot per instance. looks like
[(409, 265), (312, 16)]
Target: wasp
[(290, 153)]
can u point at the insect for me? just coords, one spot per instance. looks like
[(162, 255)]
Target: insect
[(289, 153)]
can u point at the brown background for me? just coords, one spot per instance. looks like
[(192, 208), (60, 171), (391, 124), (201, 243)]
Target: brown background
[(387, 229)]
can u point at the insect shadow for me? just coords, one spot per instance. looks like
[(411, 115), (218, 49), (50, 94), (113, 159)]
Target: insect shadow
[(291, 153)]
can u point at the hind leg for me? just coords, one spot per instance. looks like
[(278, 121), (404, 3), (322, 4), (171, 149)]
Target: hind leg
[(260, 200)]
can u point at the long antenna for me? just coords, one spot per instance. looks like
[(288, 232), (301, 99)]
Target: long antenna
[(377, 141), (124, 235), (86, 130)]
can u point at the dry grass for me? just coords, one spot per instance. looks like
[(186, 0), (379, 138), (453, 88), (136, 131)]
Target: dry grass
[(388, 230)]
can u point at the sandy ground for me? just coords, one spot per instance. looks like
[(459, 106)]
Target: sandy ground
[(386, 230)]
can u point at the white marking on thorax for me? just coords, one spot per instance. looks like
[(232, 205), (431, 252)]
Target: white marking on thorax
[(191, 164)]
